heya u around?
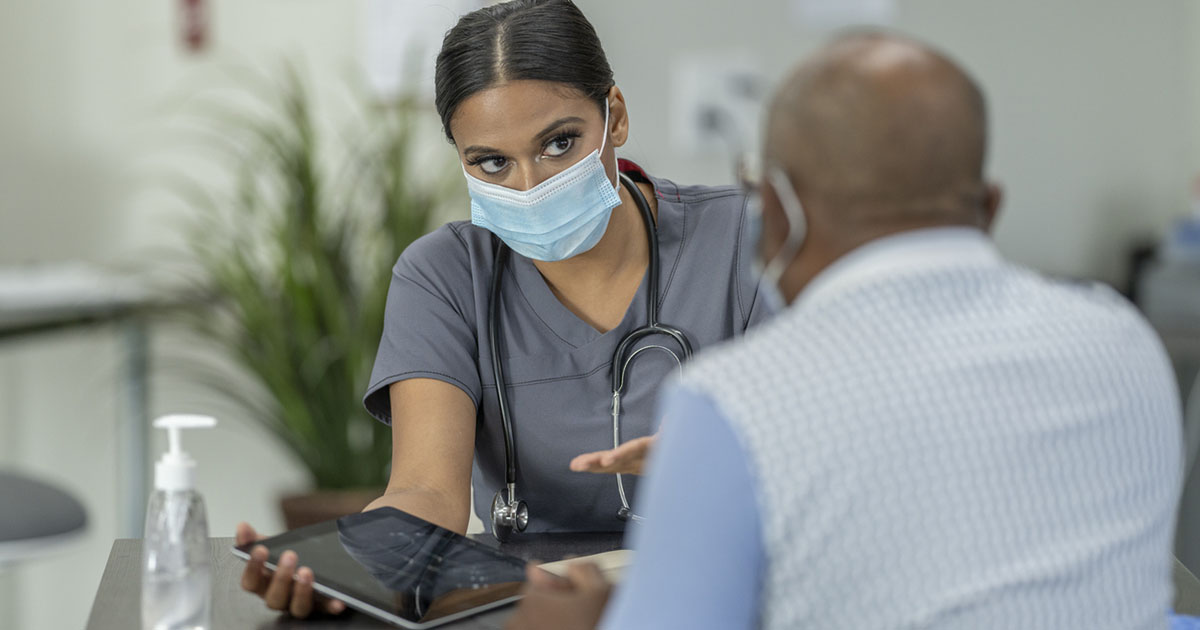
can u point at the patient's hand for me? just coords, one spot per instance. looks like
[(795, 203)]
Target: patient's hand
[(554, 603), (629, 458), (288, 588)]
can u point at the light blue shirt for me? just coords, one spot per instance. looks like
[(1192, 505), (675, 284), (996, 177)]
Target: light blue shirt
[(700, 558)]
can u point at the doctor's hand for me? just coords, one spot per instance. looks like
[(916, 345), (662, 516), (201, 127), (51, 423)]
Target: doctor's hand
[(554, 603), (287, 589), (629, 458)]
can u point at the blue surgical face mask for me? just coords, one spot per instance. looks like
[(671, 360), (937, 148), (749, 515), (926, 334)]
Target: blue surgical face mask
[(561, 217)]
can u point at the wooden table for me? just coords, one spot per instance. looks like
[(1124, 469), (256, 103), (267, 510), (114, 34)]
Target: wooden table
[(1187, 590), (118, 600)]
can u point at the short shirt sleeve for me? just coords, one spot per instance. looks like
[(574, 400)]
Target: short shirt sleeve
[(429, 325)]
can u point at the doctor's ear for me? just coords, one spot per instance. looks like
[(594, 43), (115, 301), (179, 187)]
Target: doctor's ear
[(618, 117)]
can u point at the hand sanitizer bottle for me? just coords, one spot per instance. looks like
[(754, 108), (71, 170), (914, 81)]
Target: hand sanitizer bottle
[(176, 576)]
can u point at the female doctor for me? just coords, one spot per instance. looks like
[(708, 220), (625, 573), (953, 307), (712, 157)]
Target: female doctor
[(579, 275)]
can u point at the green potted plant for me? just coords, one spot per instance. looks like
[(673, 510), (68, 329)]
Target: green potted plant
[(296, 256)]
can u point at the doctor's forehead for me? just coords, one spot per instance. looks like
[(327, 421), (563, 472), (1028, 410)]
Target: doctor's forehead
[(514, 113)]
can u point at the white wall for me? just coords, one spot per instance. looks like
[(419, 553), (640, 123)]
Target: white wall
[(1095, 127), (1193, 103), (88, 88), (1093, 136)]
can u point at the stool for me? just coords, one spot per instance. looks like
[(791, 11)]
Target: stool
[(36, 517)]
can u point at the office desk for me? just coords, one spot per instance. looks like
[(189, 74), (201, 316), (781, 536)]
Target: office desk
[(118, 600)]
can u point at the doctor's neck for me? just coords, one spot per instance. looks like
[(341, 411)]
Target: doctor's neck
[(621, 254)]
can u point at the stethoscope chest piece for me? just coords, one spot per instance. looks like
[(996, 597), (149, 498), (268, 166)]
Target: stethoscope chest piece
[(508, 516)]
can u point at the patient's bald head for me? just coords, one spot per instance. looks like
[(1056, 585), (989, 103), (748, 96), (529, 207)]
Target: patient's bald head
[(880, 130)]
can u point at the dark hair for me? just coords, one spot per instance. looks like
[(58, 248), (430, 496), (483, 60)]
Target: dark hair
[(545, 40)]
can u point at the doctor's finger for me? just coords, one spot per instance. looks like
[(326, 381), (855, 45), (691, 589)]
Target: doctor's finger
[(333, 606), (301, 604), (246, 534), (587, 576), (611, 460), (305, 597), (255, 577), (538, 577), (627, 458), (606, 463), (279, 591), (629, 452), (587, 462)]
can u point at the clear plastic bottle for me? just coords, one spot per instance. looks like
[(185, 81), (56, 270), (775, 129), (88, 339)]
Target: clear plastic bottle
[(176, 573)]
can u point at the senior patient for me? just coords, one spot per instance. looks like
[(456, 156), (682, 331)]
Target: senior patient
[(929, 436)]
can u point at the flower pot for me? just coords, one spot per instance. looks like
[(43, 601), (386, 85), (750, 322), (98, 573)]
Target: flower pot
[(309, 508)]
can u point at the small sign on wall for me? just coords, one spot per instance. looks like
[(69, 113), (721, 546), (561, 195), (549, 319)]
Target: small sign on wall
[(194, 24)]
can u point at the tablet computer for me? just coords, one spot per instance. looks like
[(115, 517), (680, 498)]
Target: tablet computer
[(399, 568)]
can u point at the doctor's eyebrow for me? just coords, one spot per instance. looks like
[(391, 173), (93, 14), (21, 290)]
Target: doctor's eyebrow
[(476, 149), (552, 127)]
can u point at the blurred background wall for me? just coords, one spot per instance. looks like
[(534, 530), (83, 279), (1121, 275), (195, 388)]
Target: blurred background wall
[(1096, 136)]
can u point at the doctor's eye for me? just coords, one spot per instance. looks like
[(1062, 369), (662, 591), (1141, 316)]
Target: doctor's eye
[(490, 164), (560, 144)]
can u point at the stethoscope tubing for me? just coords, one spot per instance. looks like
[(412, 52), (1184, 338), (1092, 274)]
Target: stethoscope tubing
[(620, 360), (510, 465)]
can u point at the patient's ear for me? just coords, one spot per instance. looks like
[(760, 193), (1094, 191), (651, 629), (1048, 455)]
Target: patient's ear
[(993, 197)]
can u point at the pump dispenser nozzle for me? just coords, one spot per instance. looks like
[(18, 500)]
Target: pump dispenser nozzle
[(176, 471)]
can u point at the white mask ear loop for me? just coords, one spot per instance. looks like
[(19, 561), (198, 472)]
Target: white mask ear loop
[(603, 143), (604, 138), (797, 226)]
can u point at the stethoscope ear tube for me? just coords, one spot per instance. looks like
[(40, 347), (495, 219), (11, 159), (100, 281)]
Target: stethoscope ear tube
[(623, 354), (652, 237)]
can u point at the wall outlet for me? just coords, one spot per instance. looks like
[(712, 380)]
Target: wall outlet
[(717, 105)]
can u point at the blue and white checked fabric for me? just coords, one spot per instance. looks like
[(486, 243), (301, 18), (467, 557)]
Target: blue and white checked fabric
[(940, 439)]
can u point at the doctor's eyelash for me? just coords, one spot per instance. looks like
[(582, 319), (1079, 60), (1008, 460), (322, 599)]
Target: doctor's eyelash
[(476, 161), (565, 134)]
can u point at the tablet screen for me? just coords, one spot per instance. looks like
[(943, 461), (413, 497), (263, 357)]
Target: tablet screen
[(401, 565)]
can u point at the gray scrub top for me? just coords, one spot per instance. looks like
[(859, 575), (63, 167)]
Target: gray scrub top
[(557, 366)]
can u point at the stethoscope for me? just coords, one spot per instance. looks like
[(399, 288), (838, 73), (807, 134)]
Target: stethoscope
[(510, 514)]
